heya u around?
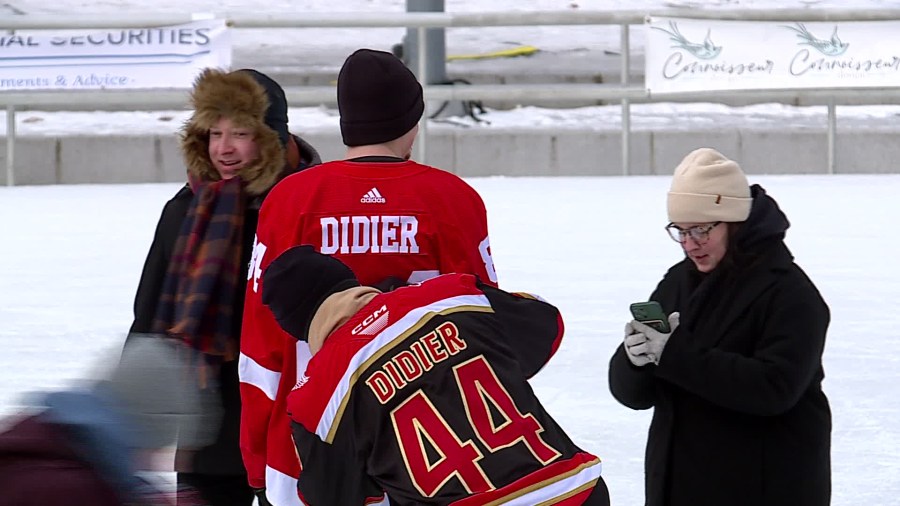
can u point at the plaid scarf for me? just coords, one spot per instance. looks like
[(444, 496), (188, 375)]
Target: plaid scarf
[(198, 294)]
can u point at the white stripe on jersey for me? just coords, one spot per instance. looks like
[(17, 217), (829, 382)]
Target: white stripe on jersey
[(281, 489), (558, 489), (381, 343), (251, 373)]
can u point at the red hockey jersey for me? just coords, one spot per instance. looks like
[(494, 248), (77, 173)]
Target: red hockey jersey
[(401, 219), (423, 395)]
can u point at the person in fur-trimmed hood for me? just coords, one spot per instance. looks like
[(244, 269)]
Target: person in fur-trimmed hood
[(236, 147)]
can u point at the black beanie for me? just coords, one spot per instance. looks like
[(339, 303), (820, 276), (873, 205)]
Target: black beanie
[(379, 99), (277, 113), (297, 282)]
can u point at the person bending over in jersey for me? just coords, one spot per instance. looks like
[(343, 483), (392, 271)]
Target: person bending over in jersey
[(421, 394)]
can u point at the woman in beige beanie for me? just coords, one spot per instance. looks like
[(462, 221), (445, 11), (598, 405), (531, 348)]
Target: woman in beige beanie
[(739, 413)]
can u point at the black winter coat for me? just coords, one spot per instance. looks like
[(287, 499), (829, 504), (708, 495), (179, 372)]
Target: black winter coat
[(739, 413), (223, 457)]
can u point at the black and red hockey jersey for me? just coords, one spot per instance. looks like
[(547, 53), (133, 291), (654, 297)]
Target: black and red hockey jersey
[(423, 396)]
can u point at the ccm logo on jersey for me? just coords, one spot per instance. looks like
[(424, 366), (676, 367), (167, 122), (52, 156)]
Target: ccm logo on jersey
[(369, 234), (374, 323)]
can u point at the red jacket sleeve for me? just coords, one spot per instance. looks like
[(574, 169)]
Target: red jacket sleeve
[(263, 345)]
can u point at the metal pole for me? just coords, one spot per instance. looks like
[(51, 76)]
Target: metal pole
[(422, 139), (626, 104), (832, 129), (436, 56), (10, 145)]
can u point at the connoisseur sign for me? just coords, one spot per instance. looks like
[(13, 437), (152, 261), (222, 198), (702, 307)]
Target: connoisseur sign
[(161, 57), (688, 55)]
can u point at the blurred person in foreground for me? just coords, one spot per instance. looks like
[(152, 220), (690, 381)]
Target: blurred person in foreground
[(739, 417), (87, 444), (390, 219), (236, 146), (421, 395)]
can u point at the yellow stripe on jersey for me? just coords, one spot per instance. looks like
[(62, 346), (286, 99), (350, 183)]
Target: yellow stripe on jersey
[(576, 484)]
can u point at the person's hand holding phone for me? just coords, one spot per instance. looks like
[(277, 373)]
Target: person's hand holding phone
[(636, 346), (646, 344)]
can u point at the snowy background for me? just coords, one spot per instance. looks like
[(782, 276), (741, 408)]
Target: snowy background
[(317, 47), (563, 51), (72, 256)]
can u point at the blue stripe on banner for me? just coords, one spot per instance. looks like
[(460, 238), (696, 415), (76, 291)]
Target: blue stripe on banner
[(111, 64), (92, 56)]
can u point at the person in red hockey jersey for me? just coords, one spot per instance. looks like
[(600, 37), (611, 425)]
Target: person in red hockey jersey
[(421, 395), (379, 212)]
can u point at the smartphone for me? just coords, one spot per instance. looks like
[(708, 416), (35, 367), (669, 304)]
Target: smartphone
[(651, 314)]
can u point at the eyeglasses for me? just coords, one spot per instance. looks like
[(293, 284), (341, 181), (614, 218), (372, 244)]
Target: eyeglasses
[(699, 234)]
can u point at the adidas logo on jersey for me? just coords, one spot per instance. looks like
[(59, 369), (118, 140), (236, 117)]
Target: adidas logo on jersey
[(373, 196)]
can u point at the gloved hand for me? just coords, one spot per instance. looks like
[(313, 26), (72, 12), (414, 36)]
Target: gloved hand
[(261, 497), (635, 346), (644, 344), (389, 284)]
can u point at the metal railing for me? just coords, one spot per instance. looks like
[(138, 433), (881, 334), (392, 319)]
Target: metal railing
[(625, 92)]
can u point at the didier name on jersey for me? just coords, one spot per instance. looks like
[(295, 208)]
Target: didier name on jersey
[(369, 234)]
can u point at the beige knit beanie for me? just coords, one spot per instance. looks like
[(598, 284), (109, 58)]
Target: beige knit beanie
[(335, 310), (708, 187)]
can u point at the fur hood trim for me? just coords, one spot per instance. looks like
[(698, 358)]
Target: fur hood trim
[(238, 96)]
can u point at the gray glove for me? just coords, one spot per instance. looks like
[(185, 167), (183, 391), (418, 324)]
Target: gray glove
[(635, 346), (644, 344)]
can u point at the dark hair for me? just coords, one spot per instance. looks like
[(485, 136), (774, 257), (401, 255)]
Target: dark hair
[(733, 253)]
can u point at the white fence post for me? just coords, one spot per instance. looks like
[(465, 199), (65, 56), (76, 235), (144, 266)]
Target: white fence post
[(832, 130), (422, 139), (10, 145), (626, 104)]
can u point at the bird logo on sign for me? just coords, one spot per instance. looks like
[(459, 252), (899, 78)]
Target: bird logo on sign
[(833, 46), (704, 51)]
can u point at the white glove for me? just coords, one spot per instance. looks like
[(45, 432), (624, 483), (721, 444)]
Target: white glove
[(644, 344), (635, 346)]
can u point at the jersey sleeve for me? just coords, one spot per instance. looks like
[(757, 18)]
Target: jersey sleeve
[(533, 327), (262, 358), (332, 473), (468, 249)]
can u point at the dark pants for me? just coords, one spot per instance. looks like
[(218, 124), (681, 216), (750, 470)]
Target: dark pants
[(219, 490)]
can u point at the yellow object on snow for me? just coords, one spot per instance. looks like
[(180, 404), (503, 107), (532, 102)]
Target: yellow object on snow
[(503, 53)]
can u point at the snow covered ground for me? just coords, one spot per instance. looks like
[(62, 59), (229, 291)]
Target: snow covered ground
[(72, 256)]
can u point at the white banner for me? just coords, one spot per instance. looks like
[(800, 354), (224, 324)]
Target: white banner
[(161, 57), (684, 55)]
